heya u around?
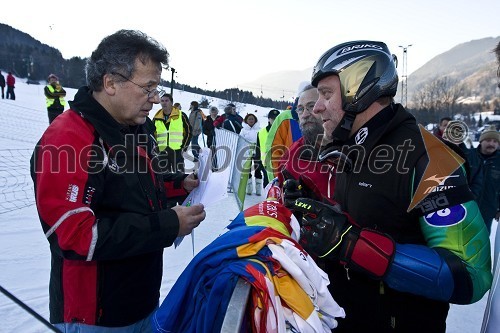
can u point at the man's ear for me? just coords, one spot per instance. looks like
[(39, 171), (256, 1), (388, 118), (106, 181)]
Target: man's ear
[(109, 84)]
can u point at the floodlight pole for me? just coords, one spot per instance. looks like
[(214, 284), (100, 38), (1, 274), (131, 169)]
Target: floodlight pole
[(404, 76), (172, 82)]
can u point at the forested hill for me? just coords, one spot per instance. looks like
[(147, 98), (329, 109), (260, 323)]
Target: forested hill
[(27, 57)]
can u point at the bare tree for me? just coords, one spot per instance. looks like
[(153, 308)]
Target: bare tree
[(440, 95)]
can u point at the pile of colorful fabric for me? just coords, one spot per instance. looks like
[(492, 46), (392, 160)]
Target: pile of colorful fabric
[(288, 290)]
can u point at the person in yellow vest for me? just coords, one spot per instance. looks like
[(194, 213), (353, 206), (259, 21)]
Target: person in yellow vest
[(54, 94), (173, 133), (261, 147)]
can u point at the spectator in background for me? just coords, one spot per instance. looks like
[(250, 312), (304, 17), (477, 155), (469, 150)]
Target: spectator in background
[(454, 133), (438, 131), (196, 118), (261, 148), (107, 219), (54, 96), (209, 131), (208, 125), (11, 82), (300, 165), (491, 321), (249, 132), (489, 156), (230, 120), (2, 84), (173, 134), (178, 106)]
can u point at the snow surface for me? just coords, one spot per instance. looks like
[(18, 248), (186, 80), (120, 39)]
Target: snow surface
[(24, 250)]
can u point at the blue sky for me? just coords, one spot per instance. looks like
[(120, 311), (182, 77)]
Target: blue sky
[(221, 43)]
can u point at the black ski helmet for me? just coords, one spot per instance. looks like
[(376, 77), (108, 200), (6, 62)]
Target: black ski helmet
[(367, 71)]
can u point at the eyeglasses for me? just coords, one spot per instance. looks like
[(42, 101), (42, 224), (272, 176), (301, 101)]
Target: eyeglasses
[(151, 93), (309, 107)]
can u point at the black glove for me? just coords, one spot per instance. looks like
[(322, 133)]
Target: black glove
[(292, 190), (304, 187), (328, 233)]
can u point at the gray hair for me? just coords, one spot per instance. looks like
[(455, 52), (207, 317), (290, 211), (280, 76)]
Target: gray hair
[(306, 88), (118, 53)]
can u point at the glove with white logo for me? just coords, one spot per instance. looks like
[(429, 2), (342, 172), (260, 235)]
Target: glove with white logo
[(328, 233)]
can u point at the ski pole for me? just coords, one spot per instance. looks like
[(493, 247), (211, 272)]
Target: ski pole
[(28, 309)]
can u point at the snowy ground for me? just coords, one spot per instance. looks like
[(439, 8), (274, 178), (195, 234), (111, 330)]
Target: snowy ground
[(24, 250)]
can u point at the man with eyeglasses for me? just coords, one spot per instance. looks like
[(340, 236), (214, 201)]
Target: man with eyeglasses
[(299, 168), (103, 198)]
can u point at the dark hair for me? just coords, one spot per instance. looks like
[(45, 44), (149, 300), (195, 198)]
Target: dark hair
[(194, 104), (443, 119), (118, 53), (169, 97), (273, 114), (248, 116)]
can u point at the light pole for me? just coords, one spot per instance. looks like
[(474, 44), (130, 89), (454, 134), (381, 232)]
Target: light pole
[(172, 82), (404, 76)]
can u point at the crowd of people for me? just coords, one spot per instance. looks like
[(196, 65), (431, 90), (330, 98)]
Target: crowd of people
[(399, 235)]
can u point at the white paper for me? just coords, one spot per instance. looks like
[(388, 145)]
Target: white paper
[(212, 188)]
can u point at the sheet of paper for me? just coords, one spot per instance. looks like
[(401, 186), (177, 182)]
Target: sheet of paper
[(212, 188)]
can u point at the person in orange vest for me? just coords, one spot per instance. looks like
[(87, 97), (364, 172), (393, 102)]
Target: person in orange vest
[(54, 94), (173, 133)]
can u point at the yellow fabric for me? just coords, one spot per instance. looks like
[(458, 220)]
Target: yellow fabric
[(266, 221), (262, 144), (293, 294), (49, 101), (285, 285), (171, 137), (250, 249)]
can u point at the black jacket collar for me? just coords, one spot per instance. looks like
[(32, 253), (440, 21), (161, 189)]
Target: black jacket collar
[(112, 132)]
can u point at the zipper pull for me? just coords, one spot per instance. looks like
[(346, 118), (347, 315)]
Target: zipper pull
[(347, 272)]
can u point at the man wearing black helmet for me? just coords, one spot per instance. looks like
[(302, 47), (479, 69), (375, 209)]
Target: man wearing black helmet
[(406, 237)]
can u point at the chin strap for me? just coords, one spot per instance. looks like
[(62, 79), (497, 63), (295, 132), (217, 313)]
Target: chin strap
[(341, 132)]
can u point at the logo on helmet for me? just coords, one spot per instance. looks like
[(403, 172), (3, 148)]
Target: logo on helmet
[(360, 46)]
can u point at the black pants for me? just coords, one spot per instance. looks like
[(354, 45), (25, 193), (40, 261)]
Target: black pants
[(53, 114), (257, 169), (2, 92), (211, 145), (10, 93), (173, 159)]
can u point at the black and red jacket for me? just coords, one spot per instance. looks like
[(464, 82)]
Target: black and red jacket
[(102, 204)]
